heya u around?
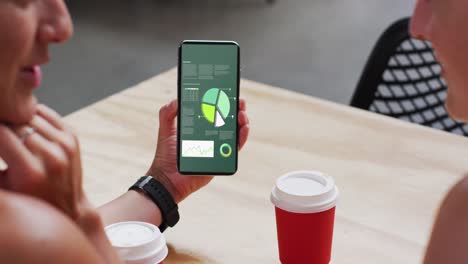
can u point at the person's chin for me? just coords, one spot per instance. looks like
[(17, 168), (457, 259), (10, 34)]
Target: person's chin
[(25, 111), (457, 109)]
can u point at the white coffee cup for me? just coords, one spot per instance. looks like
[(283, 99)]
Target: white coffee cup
[(138, 242)]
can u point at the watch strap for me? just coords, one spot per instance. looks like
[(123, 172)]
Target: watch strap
[(161, 197)]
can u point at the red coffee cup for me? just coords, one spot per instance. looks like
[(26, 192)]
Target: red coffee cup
[(305, 214)]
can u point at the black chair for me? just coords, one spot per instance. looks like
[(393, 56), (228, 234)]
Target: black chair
[(402, 79)]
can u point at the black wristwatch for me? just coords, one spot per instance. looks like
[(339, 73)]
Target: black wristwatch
[(161, 197)]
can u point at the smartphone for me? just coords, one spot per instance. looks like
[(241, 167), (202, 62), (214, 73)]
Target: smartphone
[(208, 95)]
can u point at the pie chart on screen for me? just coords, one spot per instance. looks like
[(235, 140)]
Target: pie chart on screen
[(215, 106)]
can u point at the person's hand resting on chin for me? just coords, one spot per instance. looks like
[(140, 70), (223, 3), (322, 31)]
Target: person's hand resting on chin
[(44, 161)]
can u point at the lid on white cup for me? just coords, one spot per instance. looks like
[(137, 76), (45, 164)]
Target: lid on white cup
[(304, 192), (138, 242)]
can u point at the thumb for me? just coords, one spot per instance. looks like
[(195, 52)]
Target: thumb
[(167, 115)]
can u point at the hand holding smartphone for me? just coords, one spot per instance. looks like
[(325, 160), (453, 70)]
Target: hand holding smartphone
[(208, 95)]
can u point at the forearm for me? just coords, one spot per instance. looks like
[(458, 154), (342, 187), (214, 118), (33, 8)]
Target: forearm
[(131, 206), (136, 206)]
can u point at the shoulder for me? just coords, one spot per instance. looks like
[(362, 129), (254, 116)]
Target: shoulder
[(31, 231)]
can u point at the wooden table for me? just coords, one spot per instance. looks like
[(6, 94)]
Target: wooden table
[(392, 175)]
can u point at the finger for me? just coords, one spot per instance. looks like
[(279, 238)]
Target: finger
[(49, 152), (69, 145), (51, 116), (242, 105), (13, 152), (46, 129), (167, 116), (243, 135), (28, 173), (243, 119), (65, 139), (56, 164), (169, 111), (67, 142), (23, 166), (42, 148)]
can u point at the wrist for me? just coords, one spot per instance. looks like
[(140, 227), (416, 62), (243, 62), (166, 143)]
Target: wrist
[(131, 206), (161, 197), (165, 180)]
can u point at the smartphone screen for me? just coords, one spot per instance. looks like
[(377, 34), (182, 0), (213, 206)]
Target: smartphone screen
[(208, 97)]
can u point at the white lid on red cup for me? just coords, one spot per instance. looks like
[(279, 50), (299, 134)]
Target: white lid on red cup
[(138, 242), (305, 192)]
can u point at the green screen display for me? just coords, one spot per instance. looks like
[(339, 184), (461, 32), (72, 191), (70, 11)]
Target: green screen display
[(208, 108)]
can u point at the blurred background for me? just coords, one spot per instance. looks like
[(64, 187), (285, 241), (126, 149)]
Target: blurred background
[(316, 47)]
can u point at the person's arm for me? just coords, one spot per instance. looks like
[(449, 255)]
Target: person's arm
[(134, 206), (449, 239), (34, 232), (131, 206)]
